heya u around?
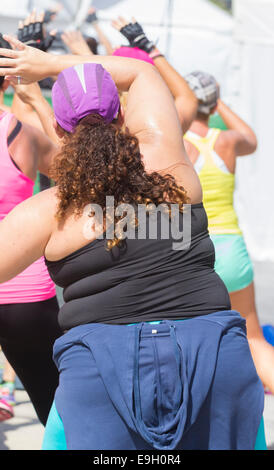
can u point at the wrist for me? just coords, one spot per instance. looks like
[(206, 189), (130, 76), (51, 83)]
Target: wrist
[(53, 65), (155, 53)]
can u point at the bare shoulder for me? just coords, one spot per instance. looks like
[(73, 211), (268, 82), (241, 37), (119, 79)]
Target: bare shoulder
[(226, 142), (46, 199), (228, 137), (42, 205)]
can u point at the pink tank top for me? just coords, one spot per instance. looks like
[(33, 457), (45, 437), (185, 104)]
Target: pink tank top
[(34, 284)]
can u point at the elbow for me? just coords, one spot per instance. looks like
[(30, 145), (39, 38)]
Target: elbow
[(253, 144)]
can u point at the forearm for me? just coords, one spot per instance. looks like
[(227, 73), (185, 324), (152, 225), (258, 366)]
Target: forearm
[(176, 83), (185, 100), (123, 70), (45, 114), (103, 39), (232, 120), (33, 65)]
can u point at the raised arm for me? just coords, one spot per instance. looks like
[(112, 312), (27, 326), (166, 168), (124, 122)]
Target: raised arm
[(185, 100), (32, 97), (76, 43), (24, 234), (32, 151), (102, 38), (240, 133), (150, 114)]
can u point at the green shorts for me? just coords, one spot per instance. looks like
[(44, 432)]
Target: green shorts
[(232, 263)]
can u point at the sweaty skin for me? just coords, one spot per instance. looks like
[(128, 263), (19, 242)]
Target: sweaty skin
[(31, 229)]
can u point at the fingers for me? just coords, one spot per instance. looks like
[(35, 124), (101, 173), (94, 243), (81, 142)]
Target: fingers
[(15, 44), (32, 17), (120, 23), (40, 17), (13, 79), (20, 24), (71, 35), (8, 73), (115, 25)]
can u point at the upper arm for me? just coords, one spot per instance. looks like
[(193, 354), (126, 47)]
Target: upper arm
[(43, 149), (152, 117), (242, 144), (187, 111), (24, 234), (33, 151)]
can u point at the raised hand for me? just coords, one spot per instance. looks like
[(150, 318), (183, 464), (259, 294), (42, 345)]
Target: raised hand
[(76, 42), (134, 33), (92, 17), (31, 31), (52, 13), (28, 63), (28, 93)]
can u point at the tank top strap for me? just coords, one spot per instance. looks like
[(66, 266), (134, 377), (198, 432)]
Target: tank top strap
[(5, 120), (205, 145), (212, 137)]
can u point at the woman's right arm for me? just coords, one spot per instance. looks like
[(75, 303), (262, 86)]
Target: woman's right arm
[(31, 95), (150, 114), (185, 100), (239, 132)]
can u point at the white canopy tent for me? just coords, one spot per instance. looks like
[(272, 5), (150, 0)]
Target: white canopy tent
[(237, 49), (254, 40), (193, 34)]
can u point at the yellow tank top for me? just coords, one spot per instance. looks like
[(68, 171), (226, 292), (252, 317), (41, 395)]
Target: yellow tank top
[(218, 184)]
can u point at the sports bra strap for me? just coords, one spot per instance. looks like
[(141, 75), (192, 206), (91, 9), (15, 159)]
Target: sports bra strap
[(212, 137), (14, 133), (204, 145)]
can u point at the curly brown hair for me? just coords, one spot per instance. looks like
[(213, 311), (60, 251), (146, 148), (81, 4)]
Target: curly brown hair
[(100, 160)]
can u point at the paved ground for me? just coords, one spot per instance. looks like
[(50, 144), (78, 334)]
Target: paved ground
[(23, 432)]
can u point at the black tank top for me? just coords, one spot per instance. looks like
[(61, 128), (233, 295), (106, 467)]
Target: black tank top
[(142, 280)]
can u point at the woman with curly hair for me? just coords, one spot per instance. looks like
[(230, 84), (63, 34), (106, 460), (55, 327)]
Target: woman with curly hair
[(152, 356)]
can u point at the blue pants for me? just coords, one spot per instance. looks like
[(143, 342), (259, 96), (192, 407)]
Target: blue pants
[(175, 385)]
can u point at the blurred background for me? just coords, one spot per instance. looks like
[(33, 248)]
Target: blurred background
[(233, 40)]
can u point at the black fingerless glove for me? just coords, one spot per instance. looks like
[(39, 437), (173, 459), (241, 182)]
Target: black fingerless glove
[(48, 16), (136, 37), (33, 35), (91, 18)]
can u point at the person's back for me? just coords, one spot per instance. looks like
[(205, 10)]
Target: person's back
[(28, 303), (214, 153), (145, 279), (139, 381), (208, 155)]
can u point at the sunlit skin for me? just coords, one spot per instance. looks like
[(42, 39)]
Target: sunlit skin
[(239, 140), (31, 230)]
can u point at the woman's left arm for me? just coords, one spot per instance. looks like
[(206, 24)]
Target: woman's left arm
[(24, 234)]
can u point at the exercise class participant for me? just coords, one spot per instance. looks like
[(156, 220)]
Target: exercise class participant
[(126, 383), (28, 304), (186, 108), (214, 153)]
